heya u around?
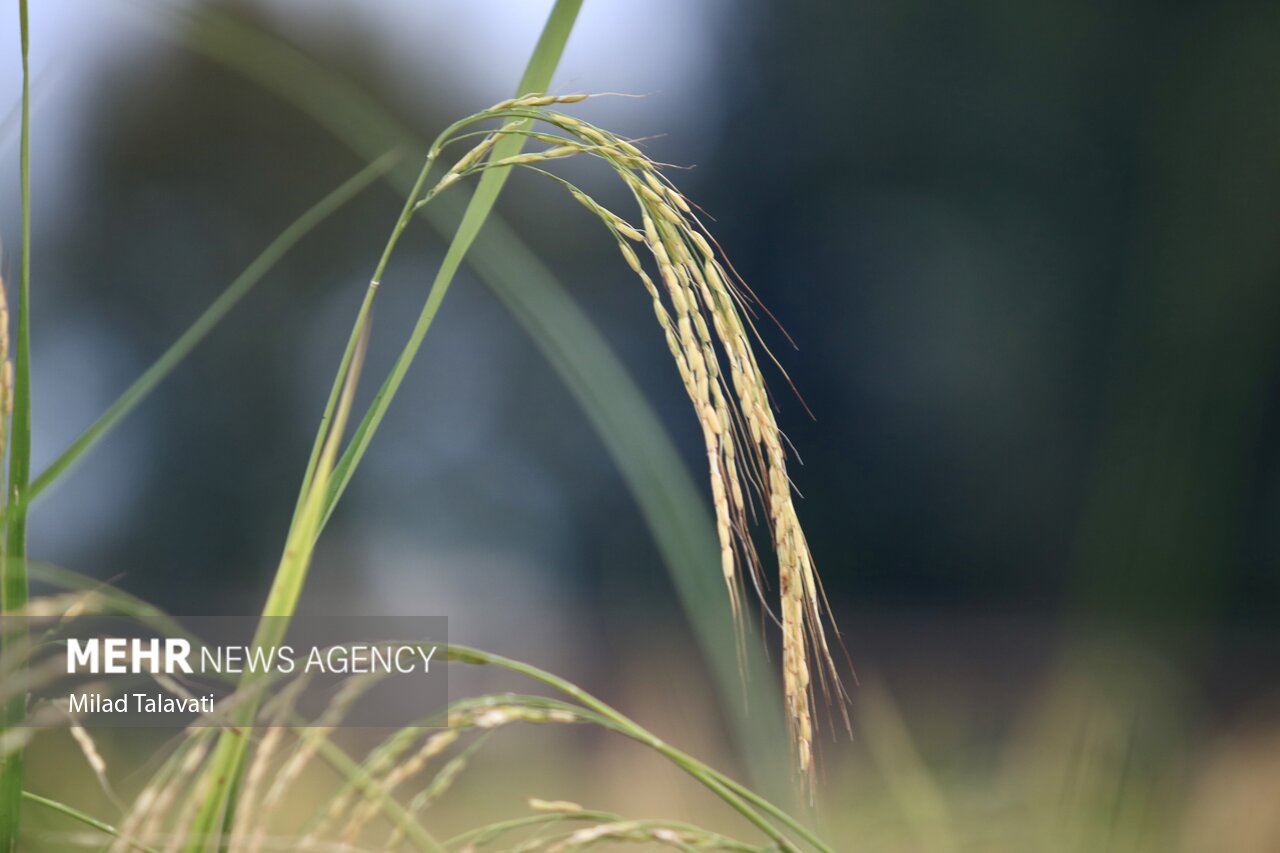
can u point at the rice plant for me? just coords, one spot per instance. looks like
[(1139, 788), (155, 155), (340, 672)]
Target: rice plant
[(703, 311), (218, 786), (1091, 769)]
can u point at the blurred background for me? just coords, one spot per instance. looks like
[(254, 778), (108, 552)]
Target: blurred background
[(1028, 253)]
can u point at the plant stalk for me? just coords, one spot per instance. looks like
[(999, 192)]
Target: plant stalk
[(13, 566)]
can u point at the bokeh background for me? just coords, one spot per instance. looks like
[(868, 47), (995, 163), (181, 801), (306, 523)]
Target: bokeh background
[(1029, 255)]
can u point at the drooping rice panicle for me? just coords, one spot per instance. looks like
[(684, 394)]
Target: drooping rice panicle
[(705, 313)]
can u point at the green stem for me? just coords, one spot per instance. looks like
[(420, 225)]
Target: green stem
[(218, 807), (13, 574), (278, 604), (282, 600), (536, 79)]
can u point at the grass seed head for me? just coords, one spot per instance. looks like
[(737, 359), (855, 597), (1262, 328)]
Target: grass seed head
[(698, 308)]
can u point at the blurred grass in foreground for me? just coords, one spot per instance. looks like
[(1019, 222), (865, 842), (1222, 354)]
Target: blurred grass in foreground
[(1104, 755)]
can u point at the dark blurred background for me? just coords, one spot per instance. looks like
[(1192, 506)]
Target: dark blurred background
[(1028, 251)]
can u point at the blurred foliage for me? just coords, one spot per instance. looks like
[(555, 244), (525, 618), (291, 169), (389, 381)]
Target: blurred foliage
[(1027, 254), (1030, 255)]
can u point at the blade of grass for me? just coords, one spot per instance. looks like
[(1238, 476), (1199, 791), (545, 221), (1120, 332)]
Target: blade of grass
[(672, 504), (87, 820), (205, 324), (13, 583), (536, 79)]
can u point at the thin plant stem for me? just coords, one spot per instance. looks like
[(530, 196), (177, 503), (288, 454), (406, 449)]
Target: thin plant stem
[(493, 830), (13, 566), (536, 79)]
